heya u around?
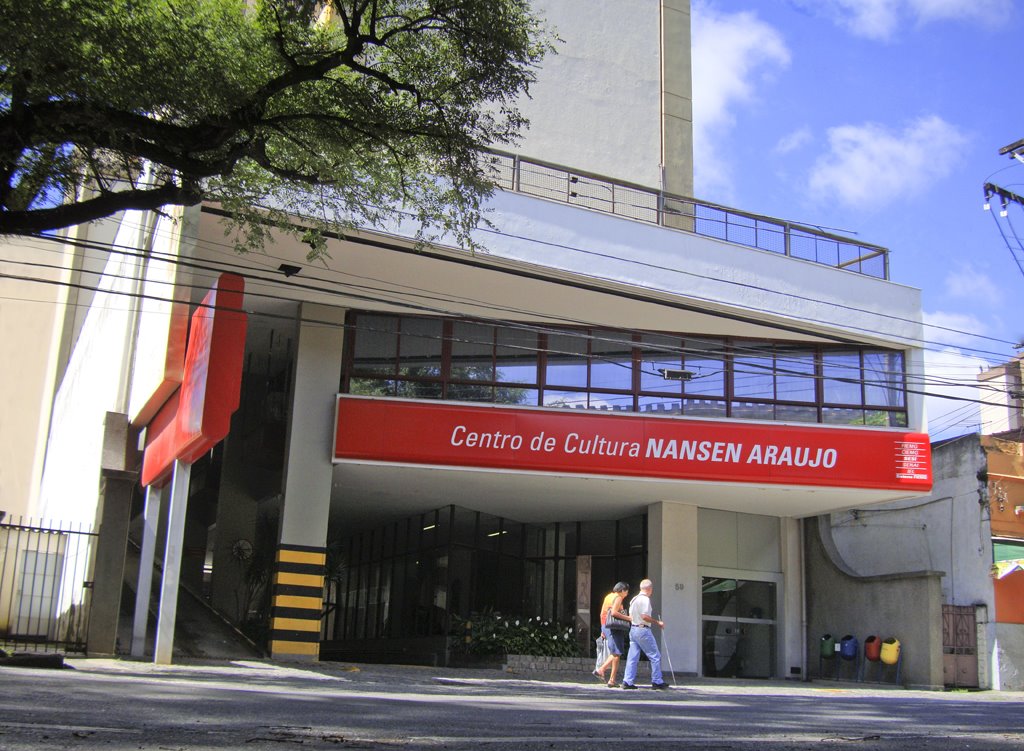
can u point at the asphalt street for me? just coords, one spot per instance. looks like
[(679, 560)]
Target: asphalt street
[(258, 705)]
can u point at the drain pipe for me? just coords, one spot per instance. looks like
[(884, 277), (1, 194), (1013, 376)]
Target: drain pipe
[(803, 604)]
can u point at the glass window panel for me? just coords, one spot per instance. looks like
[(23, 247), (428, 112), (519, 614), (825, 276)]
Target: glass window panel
[(753, 371), (567, 535), (704, 408), (567, 360), (750, 411), (512, 540), (566, 399), (884, 418), (611, 402), (418, 390), (516, 395), (376, 344), (516, 356), (472, 352), (631, 535), (842, 416), (661, 405), (611, 361), (841, 371), (470, 392), (489, 532), (443, 532), (371, 387), (420, 348), (464, 527), (718, 597), (428, 530), (792, 413), (883, 378), (704, 358), (756, 599), (659, 352), (794, 376), (597, 538)]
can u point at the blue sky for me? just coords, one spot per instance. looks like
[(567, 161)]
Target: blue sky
[(885, 118)]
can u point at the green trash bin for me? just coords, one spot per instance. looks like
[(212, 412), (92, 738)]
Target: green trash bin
[(828, 647)]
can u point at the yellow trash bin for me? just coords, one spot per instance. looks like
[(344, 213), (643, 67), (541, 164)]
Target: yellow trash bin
[(890, 651)]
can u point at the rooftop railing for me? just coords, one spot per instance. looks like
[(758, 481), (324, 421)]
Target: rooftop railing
[(557, 183)]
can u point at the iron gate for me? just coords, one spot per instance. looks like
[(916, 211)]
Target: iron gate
[(45, 572), (959, 646)]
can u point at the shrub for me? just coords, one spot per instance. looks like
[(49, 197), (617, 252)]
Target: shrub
[(493, 634)]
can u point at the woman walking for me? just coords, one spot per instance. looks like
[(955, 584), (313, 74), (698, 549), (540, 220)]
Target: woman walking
[(614, 627)]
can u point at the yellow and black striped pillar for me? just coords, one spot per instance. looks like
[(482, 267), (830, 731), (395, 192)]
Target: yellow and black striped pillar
[(298, 602)]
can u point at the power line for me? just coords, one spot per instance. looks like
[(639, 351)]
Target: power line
[(705, 352)]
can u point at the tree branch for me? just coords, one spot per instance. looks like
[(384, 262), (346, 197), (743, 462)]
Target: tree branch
[(40, 220)]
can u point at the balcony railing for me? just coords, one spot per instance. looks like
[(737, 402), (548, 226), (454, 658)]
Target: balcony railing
[(556, 183)]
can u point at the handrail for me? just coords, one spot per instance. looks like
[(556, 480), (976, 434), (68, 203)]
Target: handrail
[(541, 179)]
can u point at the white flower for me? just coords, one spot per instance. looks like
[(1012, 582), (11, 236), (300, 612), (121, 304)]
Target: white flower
[(517, 623)]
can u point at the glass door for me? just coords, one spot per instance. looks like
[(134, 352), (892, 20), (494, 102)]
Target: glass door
[(738, 624)]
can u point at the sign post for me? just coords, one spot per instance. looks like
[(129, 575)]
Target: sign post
[(194, 420)]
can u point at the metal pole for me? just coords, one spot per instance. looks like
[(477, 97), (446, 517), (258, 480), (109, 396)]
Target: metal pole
[(172, 564), (668, 655), (151, 520)]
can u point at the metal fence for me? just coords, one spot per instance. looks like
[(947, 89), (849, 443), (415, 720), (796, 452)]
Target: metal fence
[(556, 183), (45, 589)]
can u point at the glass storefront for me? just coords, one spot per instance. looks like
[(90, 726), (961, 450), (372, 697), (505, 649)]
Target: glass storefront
[(738, 623), (420, 578)]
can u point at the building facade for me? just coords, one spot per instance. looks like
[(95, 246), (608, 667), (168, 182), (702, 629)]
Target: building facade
[(625, 383)]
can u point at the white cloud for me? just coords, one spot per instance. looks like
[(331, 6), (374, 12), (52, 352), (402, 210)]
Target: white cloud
[(951, 390), (969, 283), (732, 53), (881, 19), (793, 141), (869, 165), (987, 12), (958, 329)]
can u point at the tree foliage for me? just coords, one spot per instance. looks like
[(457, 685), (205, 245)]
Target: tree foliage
[(341, 111)]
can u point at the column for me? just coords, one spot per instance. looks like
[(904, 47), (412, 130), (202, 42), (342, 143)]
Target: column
[(792, 619), (672, 566), (676, 110), (299, 567)]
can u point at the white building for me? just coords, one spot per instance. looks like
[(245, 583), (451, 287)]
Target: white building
[(627, 383)]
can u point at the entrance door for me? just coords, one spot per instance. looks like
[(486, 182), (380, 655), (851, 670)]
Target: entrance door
[(738, 624), (959, 646)]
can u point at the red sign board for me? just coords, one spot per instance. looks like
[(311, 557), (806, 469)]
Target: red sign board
[(198, 417), (546, 440)]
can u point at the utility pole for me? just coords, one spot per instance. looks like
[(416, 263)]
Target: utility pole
[(1014, 150)]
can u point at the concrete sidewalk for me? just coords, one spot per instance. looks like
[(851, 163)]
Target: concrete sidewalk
[(412, 675)]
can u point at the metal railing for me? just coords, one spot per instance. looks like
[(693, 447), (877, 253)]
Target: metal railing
[(44, 585), (543, 180)]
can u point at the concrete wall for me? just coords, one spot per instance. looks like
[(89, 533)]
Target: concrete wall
[(672, 533), (29, 312), (906, 606), (94, 381), (596, 105), (1008, 657), (947, 531)]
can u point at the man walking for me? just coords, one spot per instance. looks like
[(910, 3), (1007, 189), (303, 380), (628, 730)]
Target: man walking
[(642, 640)]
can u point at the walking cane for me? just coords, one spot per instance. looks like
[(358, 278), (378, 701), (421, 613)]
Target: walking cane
[(668, 654)]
